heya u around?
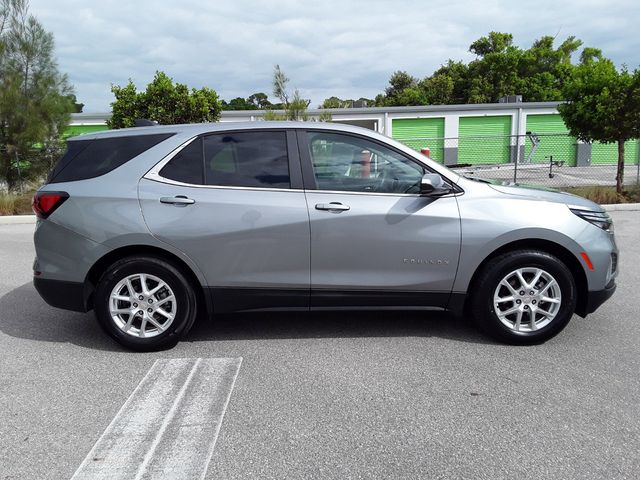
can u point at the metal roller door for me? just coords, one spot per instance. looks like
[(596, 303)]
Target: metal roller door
[(484, 140), (419, 133), (554, 139), (607, 153)]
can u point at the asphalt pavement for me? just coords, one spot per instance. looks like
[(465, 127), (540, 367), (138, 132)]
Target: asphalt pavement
[(339, 395)]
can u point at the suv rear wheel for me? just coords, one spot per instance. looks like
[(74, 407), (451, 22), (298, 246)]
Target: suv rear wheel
[(524, 297), (145, 303)]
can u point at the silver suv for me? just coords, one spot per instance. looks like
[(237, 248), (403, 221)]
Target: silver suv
[(153, 226)]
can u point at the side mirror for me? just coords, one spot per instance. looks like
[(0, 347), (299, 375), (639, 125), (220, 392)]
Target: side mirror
[(433, 184)]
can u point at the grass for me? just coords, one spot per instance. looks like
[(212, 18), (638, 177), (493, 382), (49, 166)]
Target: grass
[(16, 203), (606, 195)]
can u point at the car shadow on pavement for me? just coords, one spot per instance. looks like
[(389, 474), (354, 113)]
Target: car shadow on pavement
[(23, 314), (337, 324)]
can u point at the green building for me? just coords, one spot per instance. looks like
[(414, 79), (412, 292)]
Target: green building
[(496, 133)]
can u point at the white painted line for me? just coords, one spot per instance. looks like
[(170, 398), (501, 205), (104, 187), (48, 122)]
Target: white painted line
[(219, 425), (17, 219), (152, 450), (169, 425)]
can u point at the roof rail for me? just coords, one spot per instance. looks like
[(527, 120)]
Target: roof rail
[(144, 122)]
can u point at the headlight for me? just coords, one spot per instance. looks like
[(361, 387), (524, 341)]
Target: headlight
[(599, 219)]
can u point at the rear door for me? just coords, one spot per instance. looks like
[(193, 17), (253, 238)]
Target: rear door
[(374, 239), (233, 203)]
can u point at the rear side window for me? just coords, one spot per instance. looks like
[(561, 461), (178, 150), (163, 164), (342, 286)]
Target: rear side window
[(240, 159), (93, 158), (187, 165), (247, 159)]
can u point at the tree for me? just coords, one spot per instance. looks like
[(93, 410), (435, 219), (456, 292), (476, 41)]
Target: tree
[(255, 101), (499, 69), (164, 102), (237, 103), (260, 100), (335, 102), (603, 104), (280, 81), (35, 103), (399, 82), (77, 107), (295, 106), (495, 42)]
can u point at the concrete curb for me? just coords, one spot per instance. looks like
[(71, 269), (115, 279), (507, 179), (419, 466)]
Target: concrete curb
[(618, 207), (17, 219)]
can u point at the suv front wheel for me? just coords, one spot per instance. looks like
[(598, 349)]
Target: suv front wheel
[(524, 297), (145, 303)]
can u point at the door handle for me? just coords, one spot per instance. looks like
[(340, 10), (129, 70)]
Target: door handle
[(332, 207), (178, 200)]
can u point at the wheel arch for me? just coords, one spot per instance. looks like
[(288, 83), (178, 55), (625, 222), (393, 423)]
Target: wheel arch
[(103, 263), (553, 248)]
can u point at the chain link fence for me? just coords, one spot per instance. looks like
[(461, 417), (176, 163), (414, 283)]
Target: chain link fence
[(557, 160)]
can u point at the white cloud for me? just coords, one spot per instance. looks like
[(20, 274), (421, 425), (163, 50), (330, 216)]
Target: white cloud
[(329, 47)]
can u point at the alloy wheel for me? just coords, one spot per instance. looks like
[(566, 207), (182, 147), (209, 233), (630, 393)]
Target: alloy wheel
[(142, 305), (527, 299)]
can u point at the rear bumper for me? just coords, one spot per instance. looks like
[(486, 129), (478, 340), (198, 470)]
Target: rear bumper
[(62, 294), (598, 297)]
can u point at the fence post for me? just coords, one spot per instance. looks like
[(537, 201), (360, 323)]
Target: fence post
[(19, 172), (515, 170)]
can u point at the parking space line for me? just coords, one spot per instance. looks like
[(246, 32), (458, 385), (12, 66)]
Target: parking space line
[(169, 425)]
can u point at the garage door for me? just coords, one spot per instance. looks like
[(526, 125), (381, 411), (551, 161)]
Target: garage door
[(419, 133), (484, 139), (554, 139), (607, 153)]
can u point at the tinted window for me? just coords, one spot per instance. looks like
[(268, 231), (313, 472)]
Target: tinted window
[(187, 165), (73, 149), (247, 159), (354, 164), (92, 158)]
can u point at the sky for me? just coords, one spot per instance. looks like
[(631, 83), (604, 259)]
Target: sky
[(326, 47)]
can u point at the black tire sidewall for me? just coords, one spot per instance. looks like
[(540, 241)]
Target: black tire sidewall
[(174, 278), (484, 311)]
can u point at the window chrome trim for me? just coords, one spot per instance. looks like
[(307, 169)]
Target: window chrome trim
[(154, 174), (168, 181), (382, 194), (306, 158)]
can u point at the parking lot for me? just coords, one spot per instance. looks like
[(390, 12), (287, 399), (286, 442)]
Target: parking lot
[(339, 395)]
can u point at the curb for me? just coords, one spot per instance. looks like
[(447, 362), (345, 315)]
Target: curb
[(619, 207), (17, 219)]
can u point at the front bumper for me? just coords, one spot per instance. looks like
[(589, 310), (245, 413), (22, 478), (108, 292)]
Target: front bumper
[(598, 297), (62, 294)]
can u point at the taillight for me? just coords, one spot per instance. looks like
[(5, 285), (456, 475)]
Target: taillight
[(44, 203)]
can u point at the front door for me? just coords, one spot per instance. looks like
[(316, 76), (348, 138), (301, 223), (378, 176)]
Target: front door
[(374, 239), (228, 201)]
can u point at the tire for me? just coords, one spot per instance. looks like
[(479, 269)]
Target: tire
[(163, 316), (554, 293)]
